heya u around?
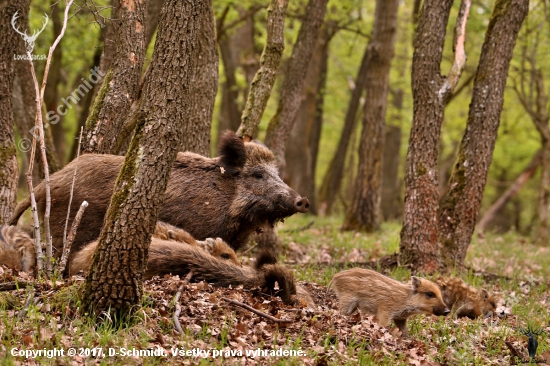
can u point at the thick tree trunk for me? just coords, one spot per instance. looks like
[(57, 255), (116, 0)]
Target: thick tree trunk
[(261, 86), (8, 153), (419, 244), (330, 187), (391, 204), (204, 86), (303, 145), (115, 280), (459, 207), (543, 227), (119, 87), (365, 212), (281, 124)]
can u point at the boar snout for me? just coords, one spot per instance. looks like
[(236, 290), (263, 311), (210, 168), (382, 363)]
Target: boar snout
[(446, 312), (301, 204)]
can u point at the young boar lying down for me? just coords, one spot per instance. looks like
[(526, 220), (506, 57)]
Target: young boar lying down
[(227, 197), (387, 299), (16, 249), (465, 300), (171, 257)]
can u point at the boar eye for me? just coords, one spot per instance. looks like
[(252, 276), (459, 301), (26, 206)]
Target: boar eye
[(258, 175), (430, 295), (225, 256)]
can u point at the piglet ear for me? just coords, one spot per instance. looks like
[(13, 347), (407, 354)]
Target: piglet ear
[(232, 151), (485, 294), (415, 282)]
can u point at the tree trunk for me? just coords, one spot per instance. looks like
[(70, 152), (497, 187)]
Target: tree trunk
[(118, 91), (8, 153), (332, 180), (419, 236), (281, 124), (459, 207), (543, 227), (204, 86), (230, 115), (51, 94), (153, 13), (261, 86), (303, 145), (391, 204), (364, 213), (115, 280)]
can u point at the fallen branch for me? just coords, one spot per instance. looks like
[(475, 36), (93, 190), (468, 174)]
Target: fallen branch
[(177, 301), (72, 234), (257, 312), (14, 285)]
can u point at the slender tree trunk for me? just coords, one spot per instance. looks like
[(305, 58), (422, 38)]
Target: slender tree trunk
[(330, 187), (543, 227), (261, 86), (204, 86), (281, 124), (230, 115), (391, 204), (365, 212), (303, 145), (419, 236), (459, 207), (115, 280), (51, 94), (8, 153), (511, 192), (118, 90), (153, 13)]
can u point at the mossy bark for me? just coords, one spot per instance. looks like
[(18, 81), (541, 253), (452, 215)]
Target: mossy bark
[(119, 89), (460, 205), (262, 84), (8, 153), (115, 280), (290, 100), (364, 213)]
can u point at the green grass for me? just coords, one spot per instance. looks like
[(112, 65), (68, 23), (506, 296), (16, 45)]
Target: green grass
[(325, 337)]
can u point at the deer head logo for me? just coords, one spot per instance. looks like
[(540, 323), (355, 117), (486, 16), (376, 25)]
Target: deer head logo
[(29, 40)]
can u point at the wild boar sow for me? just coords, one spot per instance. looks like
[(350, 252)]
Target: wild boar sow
[(227, 197)]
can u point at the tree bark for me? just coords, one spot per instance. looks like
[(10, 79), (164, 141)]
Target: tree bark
[(391, 204), (261, 86), (51, 95), (459, 207), (281, 124), (115, 280), (230, 115), (153, 13), (8, 153), (365, 212), (204, 86), (118, 90), (419, 236), (330, 187), (303, 144)]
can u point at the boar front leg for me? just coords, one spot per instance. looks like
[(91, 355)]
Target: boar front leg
[(401, 324)]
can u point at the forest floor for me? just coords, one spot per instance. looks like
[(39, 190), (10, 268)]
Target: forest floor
[(318, 336)]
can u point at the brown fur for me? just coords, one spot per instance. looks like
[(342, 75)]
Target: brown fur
[(227, 197), (170, 257), (304, 296), (217, 247), (387, 299), (465, 300), (16, 249)]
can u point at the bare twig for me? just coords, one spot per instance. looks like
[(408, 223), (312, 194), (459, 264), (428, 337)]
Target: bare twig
[(30, 297), (177, 301), (257, 312), (302, 228), (67, 245), (72, 190), (40, 126)]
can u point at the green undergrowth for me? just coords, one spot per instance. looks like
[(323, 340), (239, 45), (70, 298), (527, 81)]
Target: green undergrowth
[(520, 281)]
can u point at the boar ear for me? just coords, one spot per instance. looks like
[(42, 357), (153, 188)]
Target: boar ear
[(232, 152), (416, 282), (484, 294)]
